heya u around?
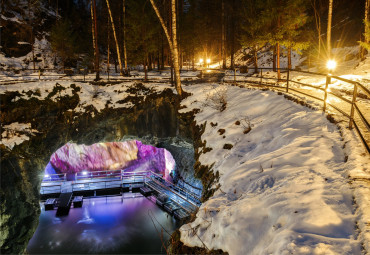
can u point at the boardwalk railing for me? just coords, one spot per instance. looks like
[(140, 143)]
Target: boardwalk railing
[(93, 180), (82, 75), (356, 117)]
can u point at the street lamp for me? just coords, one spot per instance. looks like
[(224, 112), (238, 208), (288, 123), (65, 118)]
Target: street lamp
[(208, 61), (331, 65), (201, 61)]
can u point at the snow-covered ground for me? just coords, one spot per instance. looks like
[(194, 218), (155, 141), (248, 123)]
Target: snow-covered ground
[(348, 67), (16, 133), (98, 97), (284, 186)]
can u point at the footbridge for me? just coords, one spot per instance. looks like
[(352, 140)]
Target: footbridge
[(175, 200)]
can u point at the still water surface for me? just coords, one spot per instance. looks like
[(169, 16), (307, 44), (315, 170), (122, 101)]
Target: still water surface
[(119, 225)]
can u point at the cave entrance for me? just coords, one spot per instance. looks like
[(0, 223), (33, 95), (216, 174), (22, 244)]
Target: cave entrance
[(129, 191)]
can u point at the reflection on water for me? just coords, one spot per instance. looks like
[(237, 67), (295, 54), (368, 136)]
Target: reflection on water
[(103, 225)]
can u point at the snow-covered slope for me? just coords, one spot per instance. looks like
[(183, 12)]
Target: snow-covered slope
[(283, 185)]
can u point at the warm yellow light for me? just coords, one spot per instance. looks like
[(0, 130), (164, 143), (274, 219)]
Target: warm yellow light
[(208, 61), (331, 64), (201, 60)]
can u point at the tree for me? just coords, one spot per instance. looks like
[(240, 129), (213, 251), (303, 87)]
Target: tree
[(124, 36), (95, 38), (253, 31), (63, 40), (328, 36), (317, 8), (115, 38), (366, 43), (172, 42), (295, 18)]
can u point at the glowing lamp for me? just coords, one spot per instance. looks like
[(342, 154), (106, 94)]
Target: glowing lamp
[(201, 60), (331, 64), (84, 173), (208, 61), (47, 176)]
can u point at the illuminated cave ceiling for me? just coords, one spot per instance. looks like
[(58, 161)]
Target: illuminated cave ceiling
[(132, 156)]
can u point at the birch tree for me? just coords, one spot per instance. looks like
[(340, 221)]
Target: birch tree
[(115, 39), (172, 42)]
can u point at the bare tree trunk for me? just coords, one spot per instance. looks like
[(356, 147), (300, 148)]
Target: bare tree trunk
[(96, 41), (93, 31), (367, 10), (172, 42), (115, 39), (366, 37), (124, 36), (223, 40), (162, 51), (108, 53), (318, 27), (274, 59), (328, 38), (255, 59), (278, 53)]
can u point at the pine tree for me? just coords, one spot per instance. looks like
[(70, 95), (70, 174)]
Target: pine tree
[(63, 40)]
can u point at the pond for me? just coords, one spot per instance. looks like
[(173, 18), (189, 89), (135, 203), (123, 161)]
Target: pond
[(118, 224)]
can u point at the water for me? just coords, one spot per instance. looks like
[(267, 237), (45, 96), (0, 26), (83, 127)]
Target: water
[(104, 225)]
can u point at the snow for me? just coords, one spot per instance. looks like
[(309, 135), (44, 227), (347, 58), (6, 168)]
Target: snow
[(98, 97), (284, 185), (16, 133)]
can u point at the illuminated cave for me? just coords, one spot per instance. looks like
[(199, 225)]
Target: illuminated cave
[(73, 159)]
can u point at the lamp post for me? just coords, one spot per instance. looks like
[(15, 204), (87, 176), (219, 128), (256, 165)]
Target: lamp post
[(331, 64), (201, 61), (208, 62)]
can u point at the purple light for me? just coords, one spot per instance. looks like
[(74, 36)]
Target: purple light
[(130, 156)]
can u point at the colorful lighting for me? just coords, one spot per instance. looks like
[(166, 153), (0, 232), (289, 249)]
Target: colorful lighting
[(130, 156)]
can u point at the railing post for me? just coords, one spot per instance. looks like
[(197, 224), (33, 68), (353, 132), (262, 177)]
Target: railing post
[(328, 81), (234, 75), (287, 81), (353, 106), (201, 74), (39, 74), (84, 74), (261, 77)]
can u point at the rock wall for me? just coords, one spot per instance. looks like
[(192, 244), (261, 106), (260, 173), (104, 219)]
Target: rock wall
[(57, 123)]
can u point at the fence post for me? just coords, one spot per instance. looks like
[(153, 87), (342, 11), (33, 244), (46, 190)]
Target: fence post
[(287, 81), (328, 81), (261, 77), (201, 74), (84, 74), (235, 76), (39, 74), (353, 106)]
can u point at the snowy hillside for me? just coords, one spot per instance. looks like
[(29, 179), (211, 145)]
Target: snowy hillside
[(283, 177)]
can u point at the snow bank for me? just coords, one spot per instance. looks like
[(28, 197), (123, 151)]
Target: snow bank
[(16, 133), (283, 185)]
